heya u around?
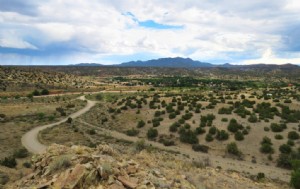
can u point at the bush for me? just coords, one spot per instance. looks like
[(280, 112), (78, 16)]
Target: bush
[(285, 149), (276, 127), (200, 148), (260, 176), (21, 153), (152, 133), (278, 137), (233, 126), (188, 136), (266, 140), (284, 161), (132, 132), (200, 130), (172, 115), (266, 149), (266, 129), (295, 179), (224, 119), (44, 92), (99, 97), (140, 145), (92, 132), (238, 136), (27, 165), (209, 138), (252, 118), (69, 120), (141, 124), (212, 130), (222, 135), (293, 135), (233, 149), (9, 162), (291, 142), (59, 163)]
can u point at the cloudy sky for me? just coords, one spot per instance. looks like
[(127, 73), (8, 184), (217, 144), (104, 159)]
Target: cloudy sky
[(115, 31)]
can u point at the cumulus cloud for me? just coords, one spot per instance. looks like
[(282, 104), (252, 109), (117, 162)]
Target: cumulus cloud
[(97, 31)]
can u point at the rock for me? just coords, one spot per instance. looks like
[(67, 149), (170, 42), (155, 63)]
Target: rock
[(70, 180), (116, 186), (127, 182)]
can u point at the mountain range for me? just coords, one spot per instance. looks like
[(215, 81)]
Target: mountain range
[(180, 62)]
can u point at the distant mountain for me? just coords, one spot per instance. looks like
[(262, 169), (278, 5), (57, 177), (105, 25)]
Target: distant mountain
[(177, 62), (87, 64), (180, 62)]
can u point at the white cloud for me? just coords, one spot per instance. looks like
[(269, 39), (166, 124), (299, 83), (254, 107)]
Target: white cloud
[(211, 30)]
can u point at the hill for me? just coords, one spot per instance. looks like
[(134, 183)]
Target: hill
[(118, 168)]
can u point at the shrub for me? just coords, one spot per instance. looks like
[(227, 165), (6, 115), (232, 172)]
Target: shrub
[(99, 97), (239, 136), (92, 132), (260, 176), (141, 124), (36, 93), (266, 140), (252, 118), (266, 129), (152, 133), (233, 126), (173, 127), (44, 92), (212, 130), (140, 145), (168, 142), (200, 130), (277, 127), (9, 162), (266, 149), (69, 120), (59, 163), (209, 138), (295, 179), (200, 148), (21, 153), (278, 137), (222, 135), (172, 115), (293, 135), (233, 149), (188, 136), (224, 119), (27, 165), (291, 142), (285, 149), (284, 161), (132, 132)]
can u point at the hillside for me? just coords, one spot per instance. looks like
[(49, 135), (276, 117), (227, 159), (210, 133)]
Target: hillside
[(105, 167), (29, 78)]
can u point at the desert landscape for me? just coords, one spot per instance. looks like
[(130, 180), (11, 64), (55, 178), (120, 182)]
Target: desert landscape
[(137, 94)]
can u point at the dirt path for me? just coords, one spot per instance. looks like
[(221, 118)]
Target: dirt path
[(30, 139), (225, 163)]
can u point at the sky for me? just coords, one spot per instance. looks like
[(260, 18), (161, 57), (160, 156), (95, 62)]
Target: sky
[(56, 32)]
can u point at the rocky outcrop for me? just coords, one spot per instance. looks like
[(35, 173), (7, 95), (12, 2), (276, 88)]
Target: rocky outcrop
[(107, 168)]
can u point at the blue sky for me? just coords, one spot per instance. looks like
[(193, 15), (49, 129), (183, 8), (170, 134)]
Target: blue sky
[(55, 32)]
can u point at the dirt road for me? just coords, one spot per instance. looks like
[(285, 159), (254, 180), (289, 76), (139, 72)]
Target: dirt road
[(30, 139)]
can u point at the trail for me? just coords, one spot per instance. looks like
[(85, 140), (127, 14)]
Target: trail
[(30, 139)]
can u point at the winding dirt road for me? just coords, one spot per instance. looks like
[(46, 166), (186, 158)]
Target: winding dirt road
[(30, 139)]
